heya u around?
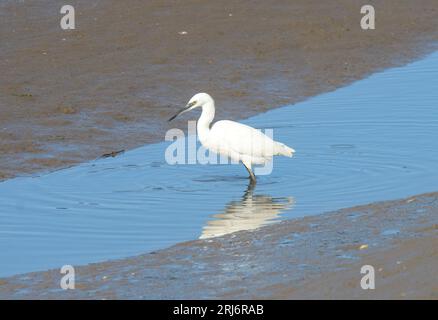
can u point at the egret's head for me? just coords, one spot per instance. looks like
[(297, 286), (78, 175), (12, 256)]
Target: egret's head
[(198, 100)]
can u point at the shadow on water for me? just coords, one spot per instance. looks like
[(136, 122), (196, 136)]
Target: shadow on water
[(249, 213), (375, 139)]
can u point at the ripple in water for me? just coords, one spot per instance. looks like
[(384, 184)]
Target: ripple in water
[(373, 140)]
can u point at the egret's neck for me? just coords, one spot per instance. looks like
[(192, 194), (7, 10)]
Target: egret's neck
[(204, 121)]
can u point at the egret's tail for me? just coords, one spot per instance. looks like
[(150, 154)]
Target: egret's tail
[(284, 150)]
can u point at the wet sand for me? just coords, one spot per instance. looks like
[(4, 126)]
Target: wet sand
[(314, 257), (71, 96)]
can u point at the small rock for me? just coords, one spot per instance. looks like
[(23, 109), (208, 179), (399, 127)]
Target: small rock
[(67, 110), (112, 154)]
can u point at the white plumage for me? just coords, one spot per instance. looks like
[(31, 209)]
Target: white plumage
[(232, 139)]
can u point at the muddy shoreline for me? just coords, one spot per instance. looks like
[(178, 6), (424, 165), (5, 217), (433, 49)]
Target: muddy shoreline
[(71, 96), (313, 257)]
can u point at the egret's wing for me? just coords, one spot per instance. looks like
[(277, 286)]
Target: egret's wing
[(242, 139)]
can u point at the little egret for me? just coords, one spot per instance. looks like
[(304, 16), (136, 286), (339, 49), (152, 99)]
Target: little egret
[(235, 140)]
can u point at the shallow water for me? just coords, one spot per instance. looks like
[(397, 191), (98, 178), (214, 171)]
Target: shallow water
[(373, 140)]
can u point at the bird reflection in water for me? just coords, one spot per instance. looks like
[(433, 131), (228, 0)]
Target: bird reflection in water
[(251, 212)]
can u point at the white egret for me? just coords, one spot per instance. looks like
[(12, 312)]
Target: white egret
[(232, 139)]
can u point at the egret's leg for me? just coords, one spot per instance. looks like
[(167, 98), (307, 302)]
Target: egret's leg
[(251, 174)]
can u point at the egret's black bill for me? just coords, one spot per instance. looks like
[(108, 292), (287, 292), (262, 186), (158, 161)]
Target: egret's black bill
[(178, 113), (186, 108)]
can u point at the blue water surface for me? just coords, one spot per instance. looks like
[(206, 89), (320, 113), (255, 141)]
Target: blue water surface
[(375, 139)]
